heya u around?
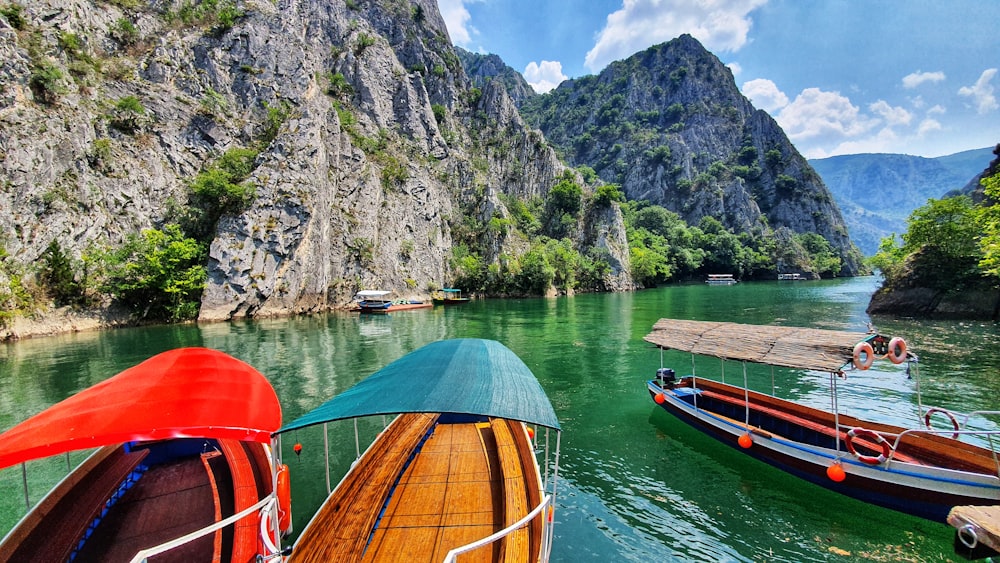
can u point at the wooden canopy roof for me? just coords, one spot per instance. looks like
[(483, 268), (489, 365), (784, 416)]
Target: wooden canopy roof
[(792, 347)]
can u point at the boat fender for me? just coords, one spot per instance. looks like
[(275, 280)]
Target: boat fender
[(869, 355), (954, 422), (897, 350), (877, 438), (284, 500)]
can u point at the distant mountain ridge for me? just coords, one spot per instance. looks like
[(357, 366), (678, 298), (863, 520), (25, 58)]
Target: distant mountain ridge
[(877, 192)]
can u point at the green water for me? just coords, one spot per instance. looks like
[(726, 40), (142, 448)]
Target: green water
[(635, 484)]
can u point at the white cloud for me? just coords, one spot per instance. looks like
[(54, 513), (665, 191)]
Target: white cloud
[(545, 76), (928, 125), (719, 25), (893, 116), (982, 92), (915, 79), (815, 114), (735, 68), (938, 110), (765, 94), (456, 18)]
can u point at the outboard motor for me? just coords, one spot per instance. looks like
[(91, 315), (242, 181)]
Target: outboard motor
[(666, 378)]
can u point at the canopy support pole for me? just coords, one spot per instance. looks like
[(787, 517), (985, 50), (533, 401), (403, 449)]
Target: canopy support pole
[(326, 454), (836, 409), (24, 479), (357, 441), (746, 397)]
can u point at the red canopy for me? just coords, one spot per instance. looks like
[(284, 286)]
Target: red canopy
[(188, 392)]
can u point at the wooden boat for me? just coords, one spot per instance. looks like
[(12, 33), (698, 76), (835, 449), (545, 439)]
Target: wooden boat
[(182, 470), (454, 473), (720, 279), (919, 471), (373, 301), (449, 296)]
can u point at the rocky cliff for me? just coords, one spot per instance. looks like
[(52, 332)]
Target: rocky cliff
[(671, 127), (372, 143)]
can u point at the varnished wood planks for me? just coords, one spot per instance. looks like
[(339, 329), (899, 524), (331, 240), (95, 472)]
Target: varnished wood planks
[(340, 529), (465, 484)]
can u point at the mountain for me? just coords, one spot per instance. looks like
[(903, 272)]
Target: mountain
[(485, 68), (877, 192), (670, 126)]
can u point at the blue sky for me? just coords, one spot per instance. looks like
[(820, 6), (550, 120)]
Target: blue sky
[(841, 77)]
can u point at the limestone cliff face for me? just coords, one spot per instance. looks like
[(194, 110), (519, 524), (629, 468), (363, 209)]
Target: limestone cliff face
[(380, 148)]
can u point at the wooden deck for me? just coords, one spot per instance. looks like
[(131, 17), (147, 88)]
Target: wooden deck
[(467, 482)]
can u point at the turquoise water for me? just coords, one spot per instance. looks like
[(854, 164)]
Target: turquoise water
[(635, 484)]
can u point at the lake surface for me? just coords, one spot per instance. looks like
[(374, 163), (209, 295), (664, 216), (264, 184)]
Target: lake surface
[(635, 483)]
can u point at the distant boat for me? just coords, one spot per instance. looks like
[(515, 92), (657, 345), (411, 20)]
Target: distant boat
[(920, 471), (791, 277), (373, 301), (720, 279), (455, 472), (183, 469), (449, 296), (376, 301)]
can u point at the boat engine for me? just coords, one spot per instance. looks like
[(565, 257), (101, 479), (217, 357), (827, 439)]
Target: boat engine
[(665, 378)]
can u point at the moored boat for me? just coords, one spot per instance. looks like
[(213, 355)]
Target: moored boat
[(455, 473), (449, 296), (373, 300), (183, 469), (720, 279), (919, 470)]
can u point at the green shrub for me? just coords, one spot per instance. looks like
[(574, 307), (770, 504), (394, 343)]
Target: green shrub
[(14, 14), (124, 32), (159, 274), (46, 82)]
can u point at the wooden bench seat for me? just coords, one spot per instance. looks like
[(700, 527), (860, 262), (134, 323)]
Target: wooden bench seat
[(516, 545)]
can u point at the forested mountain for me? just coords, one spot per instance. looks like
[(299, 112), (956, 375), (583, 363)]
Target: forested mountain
[(877, 192), (671, 128)]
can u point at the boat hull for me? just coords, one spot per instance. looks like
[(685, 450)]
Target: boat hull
[(920, 490)]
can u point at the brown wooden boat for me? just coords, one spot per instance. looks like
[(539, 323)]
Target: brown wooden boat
[(183, 469), (454, 473), (920, 471)]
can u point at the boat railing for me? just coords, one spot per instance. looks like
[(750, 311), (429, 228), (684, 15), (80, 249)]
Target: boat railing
[(896, 439), (265, 506), (547, 501)]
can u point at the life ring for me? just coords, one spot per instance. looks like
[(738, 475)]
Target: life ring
[(284, 500), (897, 350), (866, 349), (954, 422), (870, 460)]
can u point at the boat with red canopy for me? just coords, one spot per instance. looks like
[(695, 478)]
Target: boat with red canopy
[(183, 468)]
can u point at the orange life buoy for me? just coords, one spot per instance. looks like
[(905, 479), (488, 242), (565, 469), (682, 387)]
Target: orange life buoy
[(897, 350), (869, 355), (284, 500), (954, 422), (870, 460)]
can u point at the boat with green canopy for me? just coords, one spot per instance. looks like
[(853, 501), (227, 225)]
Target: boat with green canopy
[(456, 472)]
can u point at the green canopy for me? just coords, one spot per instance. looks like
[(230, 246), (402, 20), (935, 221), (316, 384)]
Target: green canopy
[(462, 376)]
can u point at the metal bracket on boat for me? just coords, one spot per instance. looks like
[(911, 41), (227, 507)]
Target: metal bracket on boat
[(967, 535)]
